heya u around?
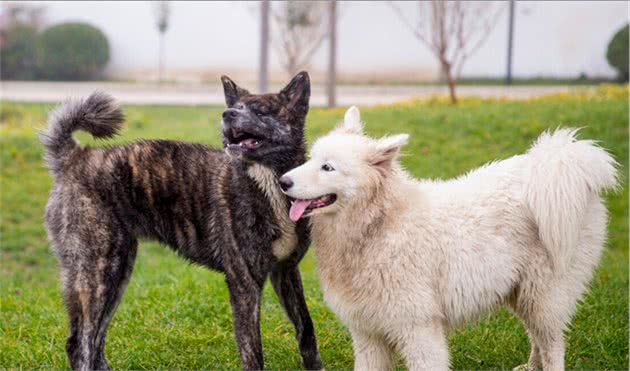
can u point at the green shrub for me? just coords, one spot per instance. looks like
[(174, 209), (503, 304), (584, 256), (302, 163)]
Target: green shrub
[(17, 53), (72, 51), (617, 53)]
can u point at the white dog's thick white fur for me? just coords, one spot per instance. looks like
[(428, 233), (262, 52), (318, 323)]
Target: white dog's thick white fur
[(402, 260)]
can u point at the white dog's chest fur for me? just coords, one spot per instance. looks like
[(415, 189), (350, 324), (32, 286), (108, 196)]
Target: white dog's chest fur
[(377, 297), (456, 261), (267, 182)]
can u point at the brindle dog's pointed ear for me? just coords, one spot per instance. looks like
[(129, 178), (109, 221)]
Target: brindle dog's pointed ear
[(232, 91), (298, 93)]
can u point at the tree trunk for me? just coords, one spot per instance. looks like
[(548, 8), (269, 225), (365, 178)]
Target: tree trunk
[(332, 55), (291, 67), (442, 75), (264, 47), (450, 80)]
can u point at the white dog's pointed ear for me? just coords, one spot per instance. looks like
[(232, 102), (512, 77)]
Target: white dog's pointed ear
[(351, 122), (386, 150), (352, 116)]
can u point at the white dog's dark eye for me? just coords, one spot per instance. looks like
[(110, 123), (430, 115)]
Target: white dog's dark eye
[(327, 167)]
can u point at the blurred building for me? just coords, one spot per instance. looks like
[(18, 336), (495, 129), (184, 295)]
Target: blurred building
[(551, 39)]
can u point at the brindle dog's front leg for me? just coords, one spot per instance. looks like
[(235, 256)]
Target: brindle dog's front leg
[(288, 286), (245, 295)]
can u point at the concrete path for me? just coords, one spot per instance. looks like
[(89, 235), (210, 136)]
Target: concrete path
[(197, 94)]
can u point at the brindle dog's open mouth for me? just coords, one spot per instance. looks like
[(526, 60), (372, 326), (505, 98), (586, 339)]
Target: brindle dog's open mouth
[(302, 208), (243, 139)]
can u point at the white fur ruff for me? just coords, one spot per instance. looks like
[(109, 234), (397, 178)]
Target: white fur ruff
[(267, 182)]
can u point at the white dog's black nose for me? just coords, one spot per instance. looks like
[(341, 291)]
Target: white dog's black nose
[(285, 183)]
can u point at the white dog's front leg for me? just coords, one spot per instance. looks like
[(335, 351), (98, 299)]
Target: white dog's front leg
[(371, 352), (424, 347)]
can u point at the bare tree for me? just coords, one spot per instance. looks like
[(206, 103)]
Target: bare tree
[(453, 31), (22, 13), (162, 14), (299, 31)]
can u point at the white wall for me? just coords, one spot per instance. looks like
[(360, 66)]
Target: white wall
[(559, 39)]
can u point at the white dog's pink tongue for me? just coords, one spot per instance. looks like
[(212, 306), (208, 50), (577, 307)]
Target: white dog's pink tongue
[(297, 209)]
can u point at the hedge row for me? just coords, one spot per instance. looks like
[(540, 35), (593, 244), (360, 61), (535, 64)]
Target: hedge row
[(68, 51)]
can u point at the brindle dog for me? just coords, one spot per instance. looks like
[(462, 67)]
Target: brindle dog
[(220, 209)]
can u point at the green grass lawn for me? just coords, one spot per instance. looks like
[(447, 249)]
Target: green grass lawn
[(175, 315)]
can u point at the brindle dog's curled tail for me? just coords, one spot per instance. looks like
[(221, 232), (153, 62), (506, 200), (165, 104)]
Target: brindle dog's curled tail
[(99, 115)]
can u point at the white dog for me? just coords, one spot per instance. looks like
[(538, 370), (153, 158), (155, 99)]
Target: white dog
[(401, 260)]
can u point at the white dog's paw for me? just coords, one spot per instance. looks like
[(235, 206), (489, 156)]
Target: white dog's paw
[(524, 367)]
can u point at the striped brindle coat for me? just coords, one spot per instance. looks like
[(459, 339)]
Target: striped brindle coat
[(217, 208)]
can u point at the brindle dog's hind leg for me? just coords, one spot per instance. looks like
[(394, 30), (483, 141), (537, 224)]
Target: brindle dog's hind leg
[(288, 286), (119, 272), (94, 280)]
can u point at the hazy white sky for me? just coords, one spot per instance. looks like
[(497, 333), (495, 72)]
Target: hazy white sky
[(551, 38)]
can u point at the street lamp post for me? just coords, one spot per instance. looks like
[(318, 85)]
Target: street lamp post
[(508, 78), (264, 47)]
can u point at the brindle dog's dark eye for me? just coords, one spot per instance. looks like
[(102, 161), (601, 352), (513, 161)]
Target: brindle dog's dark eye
[(327, 167), (261, 111)]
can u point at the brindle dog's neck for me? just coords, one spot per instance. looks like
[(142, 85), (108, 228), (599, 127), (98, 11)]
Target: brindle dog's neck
[(267, 181), (289, 159)]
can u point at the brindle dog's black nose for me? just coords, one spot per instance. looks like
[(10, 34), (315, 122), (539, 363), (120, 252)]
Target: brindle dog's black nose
[(286, 183), (229, 114)]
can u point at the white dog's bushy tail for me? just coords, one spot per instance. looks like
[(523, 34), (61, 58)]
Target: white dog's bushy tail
[(565, 174)]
